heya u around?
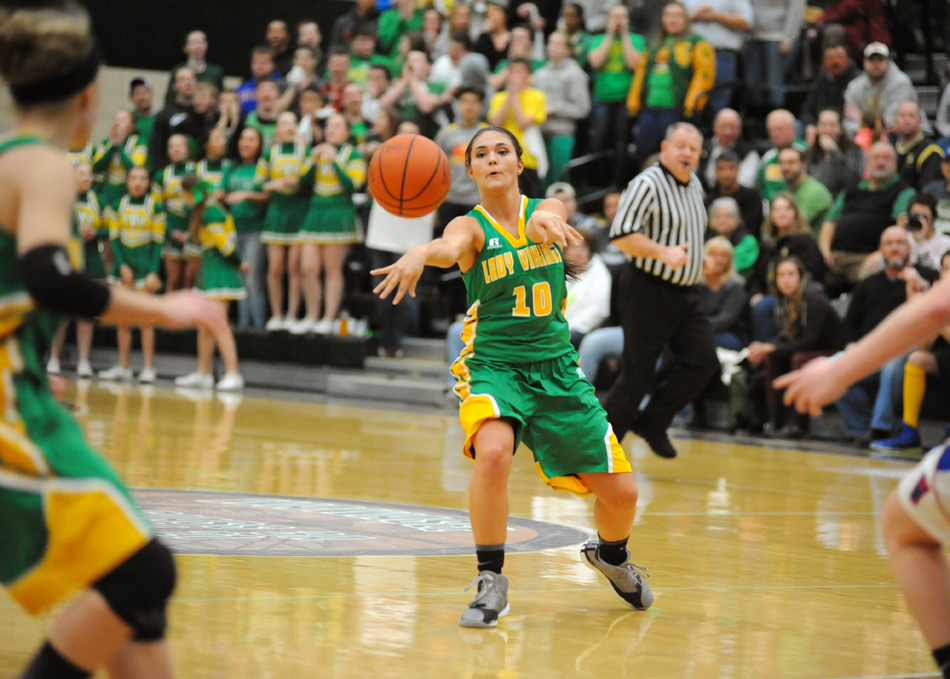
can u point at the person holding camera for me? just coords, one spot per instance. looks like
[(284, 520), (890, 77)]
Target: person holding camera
[(926, 246)]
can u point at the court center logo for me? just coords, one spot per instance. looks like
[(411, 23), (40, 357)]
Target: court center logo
[(248, 524)]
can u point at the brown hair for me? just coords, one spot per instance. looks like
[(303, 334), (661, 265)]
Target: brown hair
[(39, 45), (793, 307), (188, 183), (800, 225)]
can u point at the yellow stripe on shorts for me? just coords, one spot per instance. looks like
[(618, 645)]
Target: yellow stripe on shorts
[(472, 413), (92, 528), (616, 460)]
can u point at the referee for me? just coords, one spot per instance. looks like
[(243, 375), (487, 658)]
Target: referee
[(660, 223)]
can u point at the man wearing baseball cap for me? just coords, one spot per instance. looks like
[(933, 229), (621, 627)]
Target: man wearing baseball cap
[(878, 91), (140, 94)]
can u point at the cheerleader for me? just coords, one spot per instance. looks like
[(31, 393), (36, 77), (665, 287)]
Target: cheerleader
[(136, 230), (278, 171), (118, 154), (167, 190), (336, 173), (219, 279), (89, 230)]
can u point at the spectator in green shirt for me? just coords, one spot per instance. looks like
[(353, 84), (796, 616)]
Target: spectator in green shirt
[(196, 47), (810, 194), (612, 58), (143, 115), (402, 17)]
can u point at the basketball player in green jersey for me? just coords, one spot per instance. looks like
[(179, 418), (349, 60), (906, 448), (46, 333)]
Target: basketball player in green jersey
[(518, 377), (67, 522)]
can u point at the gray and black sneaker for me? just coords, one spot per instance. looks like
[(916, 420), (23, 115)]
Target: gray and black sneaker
[(490, 604), (628, 579)]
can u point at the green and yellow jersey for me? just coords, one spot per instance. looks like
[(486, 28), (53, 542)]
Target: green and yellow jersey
[(281, 161), (89, 212), (516, 296), (212, 172), (81, 155), (166, 189), (137, 232), (344, 174), (114, 163), (67, 519)]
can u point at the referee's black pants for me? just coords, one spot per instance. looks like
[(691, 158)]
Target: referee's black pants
[(656, 315)]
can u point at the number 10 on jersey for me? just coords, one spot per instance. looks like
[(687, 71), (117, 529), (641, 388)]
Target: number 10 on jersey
[(540, 300)]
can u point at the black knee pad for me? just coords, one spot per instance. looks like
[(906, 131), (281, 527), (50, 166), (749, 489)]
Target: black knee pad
[(139, 588)]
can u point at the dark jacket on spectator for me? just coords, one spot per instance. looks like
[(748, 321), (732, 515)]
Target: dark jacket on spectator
[(801, 245), (819, 327), (840, 170), (345, 27), (826, 92), (874, 298), (726, 307), (173, 119)]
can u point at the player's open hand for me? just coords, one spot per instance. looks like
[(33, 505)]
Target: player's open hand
[(548, 227), (402, 276), (811, 387)]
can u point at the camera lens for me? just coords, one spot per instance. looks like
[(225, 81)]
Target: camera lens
[(914, 223)]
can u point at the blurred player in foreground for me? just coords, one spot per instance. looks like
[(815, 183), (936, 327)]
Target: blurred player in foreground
[(915, 520)]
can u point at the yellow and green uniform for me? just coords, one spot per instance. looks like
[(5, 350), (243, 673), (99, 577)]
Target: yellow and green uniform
[(212, 172), (220, 276), (137, 232), (89, 212), (676, 74), (248, 214), (166, 189), (65, 517), (82, 155), (331, 218), (287, 209), (114, 163), (518, 362)]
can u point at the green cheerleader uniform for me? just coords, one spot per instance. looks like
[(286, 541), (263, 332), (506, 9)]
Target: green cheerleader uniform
[(212, 172), (287, 210), (137, 232), (66, 518), (88, 212), (331, 219), (83, 155), (220, 276), (112, 164), (518, 362), (248, 214), (166, 189)]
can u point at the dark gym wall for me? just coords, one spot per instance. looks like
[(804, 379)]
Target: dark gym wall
[(149, 34)]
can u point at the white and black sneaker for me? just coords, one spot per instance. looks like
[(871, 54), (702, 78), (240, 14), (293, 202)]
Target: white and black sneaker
[(491, 603), (628, 579)]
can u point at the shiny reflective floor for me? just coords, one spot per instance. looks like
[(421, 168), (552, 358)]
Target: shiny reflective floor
[(764, 562)]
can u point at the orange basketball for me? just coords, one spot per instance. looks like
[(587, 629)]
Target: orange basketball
[(409, 175)]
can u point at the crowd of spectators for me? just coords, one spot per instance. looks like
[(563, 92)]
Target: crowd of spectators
[(798, 217)]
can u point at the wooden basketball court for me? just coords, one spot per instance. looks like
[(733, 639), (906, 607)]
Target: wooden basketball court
[(322, 539)]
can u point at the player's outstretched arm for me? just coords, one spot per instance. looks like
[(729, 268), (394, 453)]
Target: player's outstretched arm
[(459, 244), (548, 224), (823, 380)]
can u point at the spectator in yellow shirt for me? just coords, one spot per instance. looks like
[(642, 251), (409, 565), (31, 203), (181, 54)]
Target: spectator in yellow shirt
[(521, 109)]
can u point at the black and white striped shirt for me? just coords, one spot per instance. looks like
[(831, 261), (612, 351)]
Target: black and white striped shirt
[(658, 205)]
